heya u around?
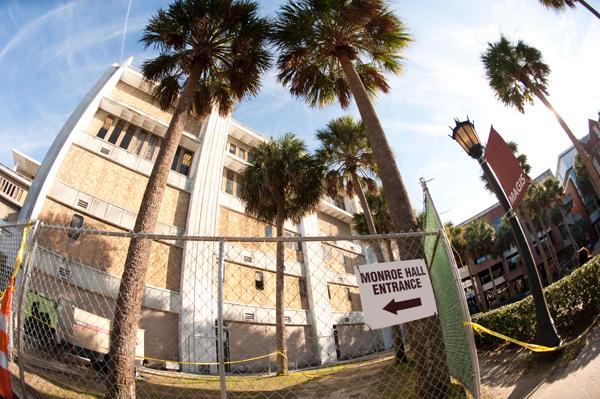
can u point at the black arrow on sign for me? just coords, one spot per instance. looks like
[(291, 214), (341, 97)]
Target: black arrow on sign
[(394, 307)]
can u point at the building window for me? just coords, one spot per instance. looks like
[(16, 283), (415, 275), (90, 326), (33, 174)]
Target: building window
[(139, 141), (302, 287), (268, 231), (229, 181), (150, 148), (259, 282), (76, 223), (242, 153), (108, 121), (288, 244), (124, 144), (114, 136), (232, 148), (339, 202), (348, 294), (186, 162)]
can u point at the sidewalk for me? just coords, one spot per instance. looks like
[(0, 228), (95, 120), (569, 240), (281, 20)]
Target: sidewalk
[(514, 374)]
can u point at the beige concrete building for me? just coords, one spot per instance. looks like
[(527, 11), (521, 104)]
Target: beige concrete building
[(95, 174)]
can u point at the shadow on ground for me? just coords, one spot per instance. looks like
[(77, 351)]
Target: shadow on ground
[(514, 373)]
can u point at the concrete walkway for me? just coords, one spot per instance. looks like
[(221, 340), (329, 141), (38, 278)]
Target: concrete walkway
[(515, 374)]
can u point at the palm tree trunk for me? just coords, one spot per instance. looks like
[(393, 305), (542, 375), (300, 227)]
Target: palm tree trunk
[(358, 190), (121, 360), (433, 377), (389, 249), (585, 157), (282, 361), (589, 8)]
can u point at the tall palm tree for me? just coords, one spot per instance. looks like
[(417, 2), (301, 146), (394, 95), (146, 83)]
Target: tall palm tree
[(535, 204), (516, 72), (480, 239), (283, 182), (560, 5), (341, 50), (347, 155), (458, 243), (211, 55)]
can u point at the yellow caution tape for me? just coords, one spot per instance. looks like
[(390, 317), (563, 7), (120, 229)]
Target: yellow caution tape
[(532, 347), (18, 260)]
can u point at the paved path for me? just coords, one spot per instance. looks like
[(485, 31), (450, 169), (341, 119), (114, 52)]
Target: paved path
[(515, 374)]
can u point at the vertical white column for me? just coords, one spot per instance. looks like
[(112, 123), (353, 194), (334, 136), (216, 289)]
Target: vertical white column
[(197, 332), (320, 315)]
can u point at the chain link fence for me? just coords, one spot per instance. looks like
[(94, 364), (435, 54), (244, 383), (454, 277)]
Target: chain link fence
[(208, 325)]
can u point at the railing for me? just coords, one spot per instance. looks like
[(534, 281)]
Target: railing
[(11, 190)]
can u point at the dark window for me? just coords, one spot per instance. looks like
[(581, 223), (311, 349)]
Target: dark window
[(229, 181), (259, 282), (242, 153), (127, 137), (176, 158), (348, 294), (105, 127), (186, 162), (268, 231), (114, 136), (302, 287), (141, 137), (76, 223), (232, 148), (328, 291), (151, 147)]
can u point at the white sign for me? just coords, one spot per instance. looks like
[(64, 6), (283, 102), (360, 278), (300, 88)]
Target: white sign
[(395, 292)]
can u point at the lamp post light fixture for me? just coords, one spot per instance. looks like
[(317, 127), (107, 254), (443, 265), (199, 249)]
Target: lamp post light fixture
[(465, 135)]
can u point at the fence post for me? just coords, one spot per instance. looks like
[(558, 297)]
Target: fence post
[(220, 341), (31, 245)]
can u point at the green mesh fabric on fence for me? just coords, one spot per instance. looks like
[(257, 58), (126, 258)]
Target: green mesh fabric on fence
[(448, 292)]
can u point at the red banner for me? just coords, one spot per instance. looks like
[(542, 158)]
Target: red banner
[(510, 174)]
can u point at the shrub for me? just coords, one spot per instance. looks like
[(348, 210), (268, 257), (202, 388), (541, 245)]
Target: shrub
[(571, 300)]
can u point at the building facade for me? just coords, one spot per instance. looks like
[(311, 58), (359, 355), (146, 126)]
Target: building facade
[(94, 176), (492, 281)]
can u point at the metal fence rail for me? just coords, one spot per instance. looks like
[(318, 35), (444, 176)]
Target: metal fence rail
[(207, 326)]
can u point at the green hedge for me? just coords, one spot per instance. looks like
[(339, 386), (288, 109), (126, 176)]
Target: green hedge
[(572, 299)]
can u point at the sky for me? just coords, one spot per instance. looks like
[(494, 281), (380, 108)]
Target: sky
[(52, 52)]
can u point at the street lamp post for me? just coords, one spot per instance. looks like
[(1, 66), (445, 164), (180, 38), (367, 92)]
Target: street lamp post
[(546, 334)]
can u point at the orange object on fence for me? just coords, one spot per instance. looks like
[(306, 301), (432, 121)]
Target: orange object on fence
[(5, 388)]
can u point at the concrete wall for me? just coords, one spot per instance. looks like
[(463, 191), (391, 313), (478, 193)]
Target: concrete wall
[(247, 340), (9, 211), (144, 102), (357, 340), (118, 185), (340, 260), (331, 226), (107, 253), (340, 301), (239, 286), (234, 224)]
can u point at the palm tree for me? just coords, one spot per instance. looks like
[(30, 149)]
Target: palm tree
[(458, 243), (535, 204), (516, 72), (347, 155), (341, 50), (560, 5), (211, 55), (380, 215), (283, 182), (480, 239)]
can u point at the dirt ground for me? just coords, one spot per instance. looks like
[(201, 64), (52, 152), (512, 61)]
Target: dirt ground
[(375, 378)]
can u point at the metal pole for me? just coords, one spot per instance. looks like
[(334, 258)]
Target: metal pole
[(546, 333), (221, 343)]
